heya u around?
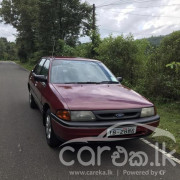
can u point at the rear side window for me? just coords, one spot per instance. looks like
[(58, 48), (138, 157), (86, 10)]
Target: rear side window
[(38, 68), (45, 68)]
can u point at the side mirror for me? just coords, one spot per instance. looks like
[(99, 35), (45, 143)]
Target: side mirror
[(120, 79), (40, 78)]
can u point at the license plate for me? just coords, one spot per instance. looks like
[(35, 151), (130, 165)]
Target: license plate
[(121, 131)]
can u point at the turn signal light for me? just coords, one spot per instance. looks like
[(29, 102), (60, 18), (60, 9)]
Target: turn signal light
[(63, 114)]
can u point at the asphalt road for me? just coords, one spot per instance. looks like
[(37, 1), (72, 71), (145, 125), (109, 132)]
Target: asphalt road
[(24, 153)]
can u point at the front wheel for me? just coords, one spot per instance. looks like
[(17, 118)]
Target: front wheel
[(50, 136)]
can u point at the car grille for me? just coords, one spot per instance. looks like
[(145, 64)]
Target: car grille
[(117, 114)]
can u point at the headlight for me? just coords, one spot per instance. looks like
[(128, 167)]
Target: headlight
[(82, 116), (146, 112)]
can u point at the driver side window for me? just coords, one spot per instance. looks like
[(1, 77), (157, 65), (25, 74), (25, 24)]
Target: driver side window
[(45, 68), (39, 66)]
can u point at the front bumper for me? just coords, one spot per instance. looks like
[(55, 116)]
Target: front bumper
[(66, 130)]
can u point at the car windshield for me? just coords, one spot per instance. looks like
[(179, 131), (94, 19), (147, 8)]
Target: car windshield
[(81, 72)]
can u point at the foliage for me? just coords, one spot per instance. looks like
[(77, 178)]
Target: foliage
[(170, 121), (119, 54), (8, 50), (162, 81), (60, 19), (96, 41), (40, 23), (21, 14), (84, 50), (155, 40), (175, 65)]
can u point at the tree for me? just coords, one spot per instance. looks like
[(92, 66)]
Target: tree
[(62, 19), (119, 54), (41, 22), (162, 81), (8, 50), (22, 15)]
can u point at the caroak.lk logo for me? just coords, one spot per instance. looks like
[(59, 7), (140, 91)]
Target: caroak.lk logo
[(134, 159)]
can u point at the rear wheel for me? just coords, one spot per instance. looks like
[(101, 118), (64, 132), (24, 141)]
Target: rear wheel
[(50, 136), (32, 103)]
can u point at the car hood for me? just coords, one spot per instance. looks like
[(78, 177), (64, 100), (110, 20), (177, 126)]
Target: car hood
[(100, 97)]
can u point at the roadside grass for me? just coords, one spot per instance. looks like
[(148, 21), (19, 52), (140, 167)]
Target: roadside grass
[(169, 114), (29, 66), (170, 121)]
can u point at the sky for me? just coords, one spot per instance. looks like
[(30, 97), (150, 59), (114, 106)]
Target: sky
[(142, 18)]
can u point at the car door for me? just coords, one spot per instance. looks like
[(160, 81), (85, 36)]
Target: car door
[(34, 83), (41, 86)]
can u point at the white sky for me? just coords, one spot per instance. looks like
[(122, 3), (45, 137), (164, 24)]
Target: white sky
[(142, 21)]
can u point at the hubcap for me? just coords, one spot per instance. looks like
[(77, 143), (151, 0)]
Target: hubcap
[(48, 127)]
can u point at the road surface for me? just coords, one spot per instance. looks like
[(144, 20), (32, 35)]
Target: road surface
[(24, 153)]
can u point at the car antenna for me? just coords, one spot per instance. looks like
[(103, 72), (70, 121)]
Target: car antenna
[(54, 43)]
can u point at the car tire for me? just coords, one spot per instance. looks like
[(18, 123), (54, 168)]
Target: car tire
[(51, 138), (32, 103)]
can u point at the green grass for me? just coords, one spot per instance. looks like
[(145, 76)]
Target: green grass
[(27, 65), (170, 121)]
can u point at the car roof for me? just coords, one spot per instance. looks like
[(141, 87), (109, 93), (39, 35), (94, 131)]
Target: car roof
[(69, 58)]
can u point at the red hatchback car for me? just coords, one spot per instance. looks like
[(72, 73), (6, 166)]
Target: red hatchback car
[(81, 98)]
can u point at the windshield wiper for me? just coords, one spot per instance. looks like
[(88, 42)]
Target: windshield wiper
[(82, 83), (89, 82), (109, 82), (70, 83)]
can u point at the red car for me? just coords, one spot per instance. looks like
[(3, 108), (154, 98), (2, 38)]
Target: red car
[(81, 98)]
